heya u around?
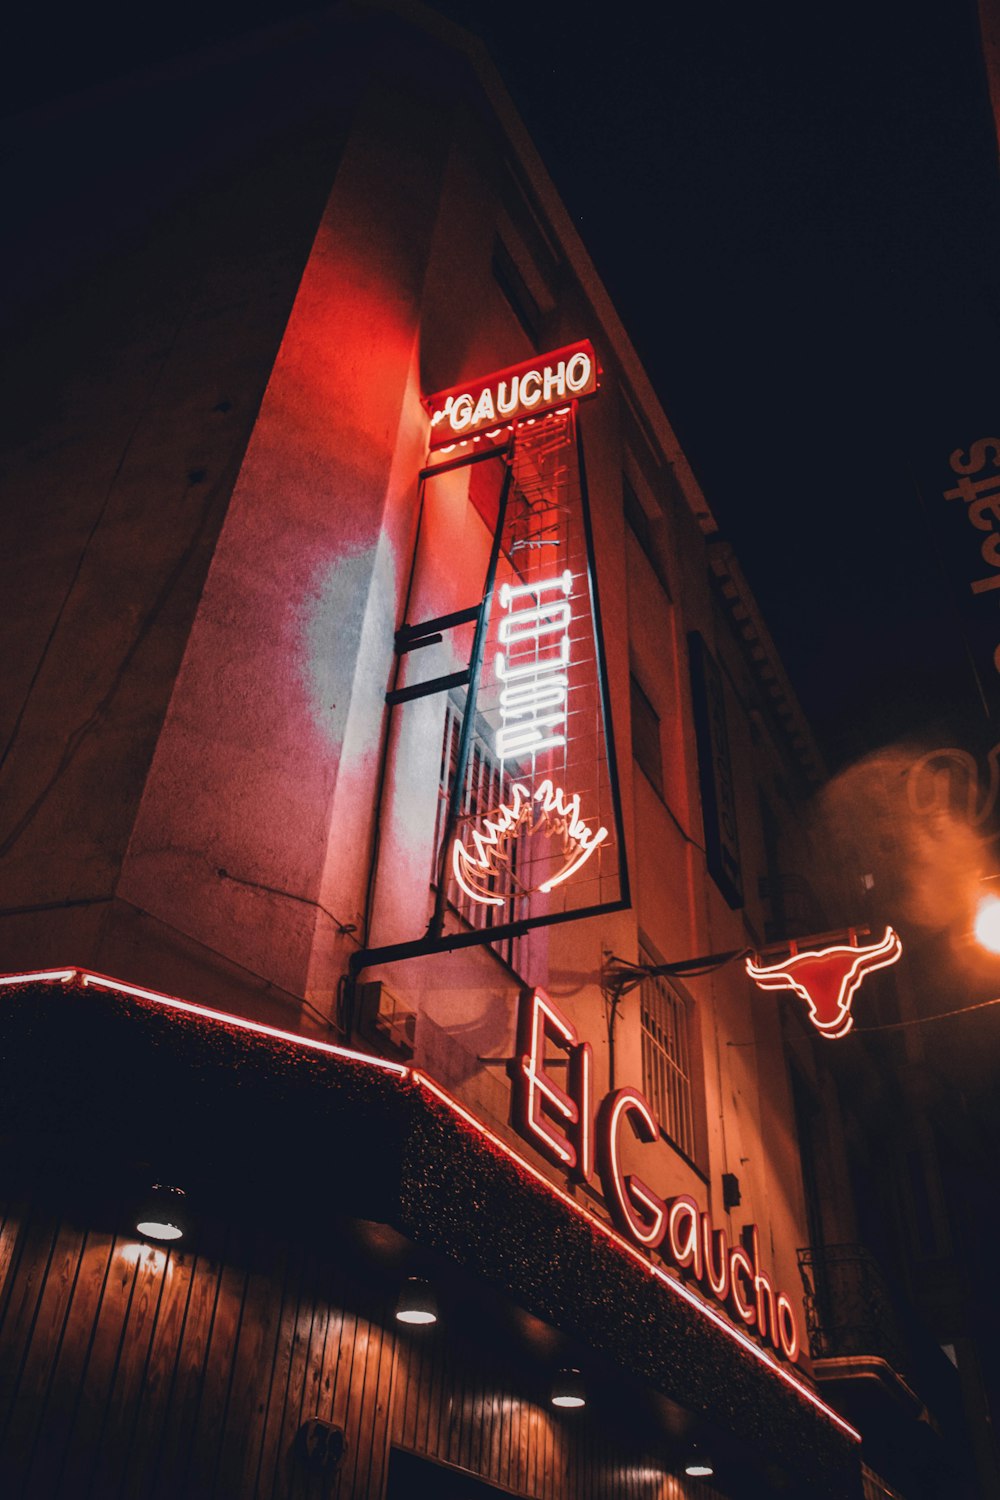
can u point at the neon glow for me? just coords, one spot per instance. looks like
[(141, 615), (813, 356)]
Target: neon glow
[(566, 1138), (731, 1274), (684, 1231), (828, 979), (101, 982), (625, 1192), (527, 390), (665, 1279), (662, 1276), (546, 811), (534, 698)]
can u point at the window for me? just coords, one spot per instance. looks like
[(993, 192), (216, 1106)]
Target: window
[(514, 287), (641, 527), (666, 1059), (646, 736), (486, 786)]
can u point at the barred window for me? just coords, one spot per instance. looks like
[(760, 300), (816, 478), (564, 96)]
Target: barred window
[(486, 786), (666, 1059)]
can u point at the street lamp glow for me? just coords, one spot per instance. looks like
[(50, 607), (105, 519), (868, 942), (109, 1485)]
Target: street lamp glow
[(987, 923)]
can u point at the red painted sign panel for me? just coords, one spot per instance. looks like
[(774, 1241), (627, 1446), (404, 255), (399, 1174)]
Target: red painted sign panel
[(489, 404)]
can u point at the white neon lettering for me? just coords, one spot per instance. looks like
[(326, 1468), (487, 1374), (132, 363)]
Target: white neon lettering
[(554, 381), (509, 592), (534, 693), (484, 411), (529, 624), (536, 393), (534, 665), (578, 371), (518, 740), (461, 413), (507, 404)]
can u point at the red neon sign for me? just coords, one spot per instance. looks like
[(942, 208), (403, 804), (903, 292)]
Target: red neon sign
[(667, 1281), (828, 979), (484, 407), (556, 1122)]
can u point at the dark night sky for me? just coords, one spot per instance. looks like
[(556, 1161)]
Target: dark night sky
[(796, 213)]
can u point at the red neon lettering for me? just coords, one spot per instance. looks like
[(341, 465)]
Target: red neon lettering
[(788, 1333), (739, 1264), (684, 1232), (763, 1291), (558, 1123), (715, 1245), (636, 1209)]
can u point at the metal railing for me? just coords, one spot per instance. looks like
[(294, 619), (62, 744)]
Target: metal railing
[(852, 1310)]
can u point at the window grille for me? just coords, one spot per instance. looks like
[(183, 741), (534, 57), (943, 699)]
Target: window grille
[(666, 1059), (487, 784)]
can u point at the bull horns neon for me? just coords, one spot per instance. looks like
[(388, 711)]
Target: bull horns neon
[(827, 979)]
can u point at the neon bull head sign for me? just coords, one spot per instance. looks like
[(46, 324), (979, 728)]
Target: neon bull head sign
[(828, 979)]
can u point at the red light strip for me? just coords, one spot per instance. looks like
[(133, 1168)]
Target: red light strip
[(677, 1287), (172, 1002), (38, 976), (102, 982)]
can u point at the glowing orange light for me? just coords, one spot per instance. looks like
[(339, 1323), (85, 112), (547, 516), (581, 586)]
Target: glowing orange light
[(828, 979), (987, 924)]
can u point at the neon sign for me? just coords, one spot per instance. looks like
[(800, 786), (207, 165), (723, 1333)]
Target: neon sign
[(557, 1121), (556, 816), (828, 979), (538, 680), (532, 667), (485, 406)]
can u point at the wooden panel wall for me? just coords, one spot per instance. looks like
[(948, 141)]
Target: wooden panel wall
[(131, 1372)]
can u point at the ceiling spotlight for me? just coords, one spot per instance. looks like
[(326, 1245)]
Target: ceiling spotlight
[(163, 1214), (699, 1466), (568, 1389), (417, 1303)]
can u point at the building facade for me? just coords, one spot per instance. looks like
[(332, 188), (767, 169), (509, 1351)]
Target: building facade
[(386, 717)]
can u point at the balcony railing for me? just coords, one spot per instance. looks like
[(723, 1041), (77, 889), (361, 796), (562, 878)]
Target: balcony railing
[(852, 1311)]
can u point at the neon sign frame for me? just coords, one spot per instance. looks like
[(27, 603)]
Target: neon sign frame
[(560, 810)]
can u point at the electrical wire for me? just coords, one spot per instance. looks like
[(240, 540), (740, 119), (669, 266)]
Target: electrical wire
[(943, 1015)]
